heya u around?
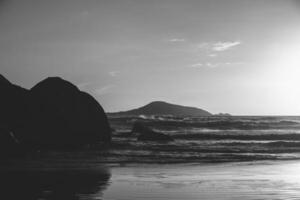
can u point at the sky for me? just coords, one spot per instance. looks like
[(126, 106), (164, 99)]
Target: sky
[(236, 56)]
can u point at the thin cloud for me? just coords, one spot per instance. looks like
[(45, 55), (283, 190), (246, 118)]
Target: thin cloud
[(215, 65), (202, 65), (114, 73), (212, 55), (234, 63), (223, 46), (196, 65), (217, 46), (212, 65), (177, 40)]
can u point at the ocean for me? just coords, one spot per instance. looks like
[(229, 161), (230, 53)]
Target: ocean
[(209, 139), (232, 157)]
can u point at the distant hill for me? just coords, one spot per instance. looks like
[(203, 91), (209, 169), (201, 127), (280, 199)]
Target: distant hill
[(223, 115), (164, 108)]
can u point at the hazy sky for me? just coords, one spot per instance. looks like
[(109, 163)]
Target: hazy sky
[(236, 56)]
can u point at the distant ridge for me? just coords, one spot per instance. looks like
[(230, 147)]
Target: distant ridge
[(164, 108)]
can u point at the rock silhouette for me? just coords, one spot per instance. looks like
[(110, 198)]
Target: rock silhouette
[(145, 133), (8, 144), (54, 113), (14, 105)]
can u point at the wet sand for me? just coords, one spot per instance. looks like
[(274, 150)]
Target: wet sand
[(230, 181)]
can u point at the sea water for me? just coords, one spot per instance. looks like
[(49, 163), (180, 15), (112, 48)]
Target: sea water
[(210, 139)]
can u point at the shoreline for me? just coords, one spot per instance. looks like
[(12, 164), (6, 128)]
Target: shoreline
[(249, 181)]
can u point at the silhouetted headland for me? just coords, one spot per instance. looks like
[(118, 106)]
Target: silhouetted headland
[(52, 114), (164, 108)]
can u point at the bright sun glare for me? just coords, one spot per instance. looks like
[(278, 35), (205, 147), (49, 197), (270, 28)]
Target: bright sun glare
[(283, 77)]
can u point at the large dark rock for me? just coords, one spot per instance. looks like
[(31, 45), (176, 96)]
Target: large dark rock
[(54, 113), (14, 105), (9, 146), (145, 133)]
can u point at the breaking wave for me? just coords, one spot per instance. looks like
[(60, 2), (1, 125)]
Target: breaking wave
[(209, 139)]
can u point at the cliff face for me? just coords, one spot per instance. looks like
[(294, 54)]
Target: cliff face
[(164, 108), (53, 113)]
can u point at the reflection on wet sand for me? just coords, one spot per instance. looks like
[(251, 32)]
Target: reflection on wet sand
[(53, 184)]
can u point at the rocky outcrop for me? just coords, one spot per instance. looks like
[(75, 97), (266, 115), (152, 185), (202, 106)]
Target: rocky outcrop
[(53, 113), (14, 105), (145, 133), (9, 146)]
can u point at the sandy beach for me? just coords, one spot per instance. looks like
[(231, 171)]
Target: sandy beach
[(231, 181)]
